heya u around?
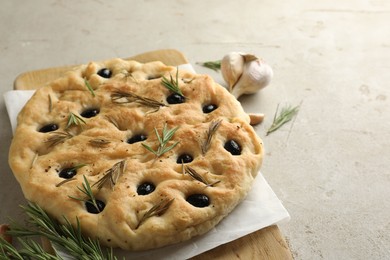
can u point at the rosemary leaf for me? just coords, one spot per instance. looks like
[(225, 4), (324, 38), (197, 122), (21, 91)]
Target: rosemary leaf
[(158, 209), (89, 87), (120, 97), (65, 181), (58, 137), (214, 65), (78, 166), (111, 175), (150, 149), (190, 171), (158, 135), (286, 114), (127, 75), (167, 149), (167, 134), (172, 84), (209, 135), (74, 119), (163, 140), (87, 190)]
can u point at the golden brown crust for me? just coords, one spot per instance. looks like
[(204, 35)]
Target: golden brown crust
[(101, 143)]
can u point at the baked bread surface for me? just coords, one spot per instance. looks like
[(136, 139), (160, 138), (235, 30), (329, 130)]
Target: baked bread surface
[(98, 145)]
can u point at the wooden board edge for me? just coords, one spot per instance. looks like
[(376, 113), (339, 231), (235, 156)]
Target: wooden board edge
[(266, 243)]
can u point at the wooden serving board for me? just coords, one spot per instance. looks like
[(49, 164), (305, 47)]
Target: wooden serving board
[(267, 243)]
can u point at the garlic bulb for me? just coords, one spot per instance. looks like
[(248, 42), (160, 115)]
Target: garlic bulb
[(245, 73)]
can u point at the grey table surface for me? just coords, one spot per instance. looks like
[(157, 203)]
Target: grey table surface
[(330, 168)]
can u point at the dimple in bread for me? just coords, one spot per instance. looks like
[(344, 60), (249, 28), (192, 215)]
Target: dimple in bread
[(163, 165)]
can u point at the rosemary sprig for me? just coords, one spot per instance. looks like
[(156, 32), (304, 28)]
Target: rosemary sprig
[(87, 190), (209, 135), (286, 114), (214, 65), (127, 75), (172, 84), (64, 236), (158, 209), (74, 119), (58, 137), (65, 181), (121, 97), (190, 171), (163, 140), (89, 87), (29, 250), (111, 175)]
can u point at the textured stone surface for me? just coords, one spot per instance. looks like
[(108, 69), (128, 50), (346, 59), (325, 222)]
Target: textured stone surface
[(330, 168)]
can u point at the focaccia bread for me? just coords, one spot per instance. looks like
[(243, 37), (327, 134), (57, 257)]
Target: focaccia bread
[(143, 155)]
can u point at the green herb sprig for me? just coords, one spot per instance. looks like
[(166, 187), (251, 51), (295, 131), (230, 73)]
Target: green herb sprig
[(214, 65), (87, 190), (163, 140), (111, 175), (74, 119), (172, 84), (120, 97), (40, 224), (190, 171), (30, 250), (209, 135), (156, 210), (58, 137), (89, 87), (126, 75), (286, 114)]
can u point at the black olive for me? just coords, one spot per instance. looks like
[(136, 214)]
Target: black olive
[(105, 73), (145, 188), (90, 112), (137, 138), (48, 128), (92, 208), (198, 200), (209, 108), (175, 99), (67, 173), (233, 147), (184, 158)]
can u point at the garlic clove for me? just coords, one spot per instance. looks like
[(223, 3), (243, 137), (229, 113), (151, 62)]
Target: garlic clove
[(256, 119), (255, 76), (232, 66), (3, 233)]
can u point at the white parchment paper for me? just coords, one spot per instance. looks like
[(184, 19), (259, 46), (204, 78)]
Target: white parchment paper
[(261, 208)]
